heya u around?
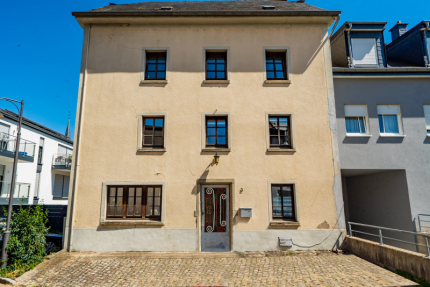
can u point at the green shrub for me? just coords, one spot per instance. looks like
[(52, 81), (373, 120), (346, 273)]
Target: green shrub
[(26, 246)]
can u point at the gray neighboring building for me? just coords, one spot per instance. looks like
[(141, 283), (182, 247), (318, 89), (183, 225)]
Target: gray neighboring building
[(382, 95)]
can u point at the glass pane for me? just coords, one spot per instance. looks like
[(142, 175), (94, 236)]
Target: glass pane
[(159, 122), (148, 131), (211, 123), (211, 75), (130, 191), (162, 59), (118, 210), (111, 211), (150, 191), (221, 123), (352, 125), (274, 140), (161, 67), (111, 200), (361, 122), (161, 75), (220, 60), (112, 191), (150, 75), (149, 201), (139, 191), (157, 191), (152, 59), (157, 201), (220, 75), (158, 141), (151, 67), (119, 201), (390, 124), (211, 131), (276, 191), (220, 67), (269, 67), (288, 211), (381, 124), (158, 131), (138, 200), (149, 122), (156, 210), (279, 75), (278, 60), (279, 67), (211, 67), (283, 122), (286, 201), (277, 211), (284, 141), (270, 75), (211, 60), (131, 200), (148, 210), (119, 191), (147, 140), (138, 209), (130, 210), (222, 140), (221, 131), (283, 131), (211, 140)]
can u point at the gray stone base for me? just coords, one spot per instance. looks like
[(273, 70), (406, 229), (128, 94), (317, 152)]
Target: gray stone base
[(174, 240)]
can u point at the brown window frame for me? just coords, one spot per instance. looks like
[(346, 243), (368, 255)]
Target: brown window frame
[(216, 132), (153, 131), (124, 215), (290, 138), (272, 56), (216, 55), (293, 204), (156, 64)]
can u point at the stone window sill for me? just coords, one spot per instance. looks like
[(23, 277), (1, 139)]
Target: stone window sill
[(358, 135), (131, 223), (151, 149), (216, 149), (277, 82), (274, 149), (214, 82), (154, 82), (285, 224), (392, 136)]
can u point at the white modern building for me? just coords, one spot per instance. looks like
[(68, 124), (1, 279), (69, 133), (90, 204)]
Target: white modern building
[(44, 162)]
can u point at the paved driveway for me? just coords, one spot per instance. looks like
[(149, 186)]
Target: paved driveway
[(209, 269)]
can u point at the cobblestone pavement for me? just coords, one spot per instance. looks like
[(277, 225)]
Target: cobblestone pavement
[(209, 269)]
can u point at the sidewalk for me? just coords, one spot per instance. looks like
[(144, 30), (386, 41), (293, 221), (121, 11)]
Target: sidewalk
[(209, 269)]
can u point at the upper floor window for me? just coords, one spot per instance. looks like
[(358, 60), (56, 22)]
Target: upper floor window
[(40, 154), (280, 131), (155, 66), (216, 65), (390, 122), (364, 52), (356, 119), (283, 202), (427, 117), (276, 68), (125, 202), (153, 132), (216, 131)]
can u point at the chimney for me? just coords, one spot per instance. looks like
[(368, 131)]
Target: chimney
[(398, 30)]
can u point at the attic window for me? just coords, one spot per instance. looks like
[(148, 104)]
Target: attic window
[(166, 8), (267, 7)]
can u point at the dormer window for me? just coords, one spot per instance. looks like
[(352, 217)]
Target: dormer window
[(364, 52)]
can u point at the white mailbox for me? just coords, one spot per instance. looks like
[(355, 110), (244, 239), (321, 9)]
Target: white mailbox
[(245, 212)]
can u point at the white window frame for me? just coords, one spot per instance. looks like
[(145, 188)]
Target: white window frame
[(292, 132), (399, 122), (273, 223), (427, 117), (366, 120), (110, 221), (140, 147), (143, 81), (216, 49), (376, 53), (287, 51)]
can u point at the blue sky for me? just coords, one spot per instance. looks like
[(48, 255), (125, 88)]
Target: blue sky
[(42, 43)]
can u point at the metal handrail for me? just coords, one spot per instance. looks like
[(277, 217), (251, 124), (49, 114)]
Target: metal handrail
[(381, 241), (420, 220)]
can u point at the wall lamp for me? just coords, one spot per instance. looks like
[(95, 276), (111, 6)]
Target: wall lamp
[(216, 158)]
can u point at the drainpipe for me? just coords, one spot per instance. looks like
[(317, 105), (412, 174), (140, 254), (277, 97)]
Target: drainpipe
[(426, 42), (78, 131), (348, 37)]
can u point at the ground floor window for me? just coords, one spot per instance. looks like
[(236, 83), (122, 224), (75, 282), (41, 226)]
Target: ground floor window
[(283, 202), (61, 186), (133, 202)]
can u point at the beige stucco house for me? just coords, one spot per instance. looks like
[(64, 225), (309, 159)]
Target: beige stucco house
[(205, 126)]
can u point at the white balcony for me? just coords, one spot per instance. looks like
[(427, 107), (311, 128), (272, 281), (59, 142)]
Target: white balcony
[(20, 194), (62, 162), (8, 145)]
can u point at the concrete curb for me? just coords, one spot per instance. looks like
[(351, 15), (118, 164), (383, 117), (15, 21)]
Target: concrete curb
[(7, 281)]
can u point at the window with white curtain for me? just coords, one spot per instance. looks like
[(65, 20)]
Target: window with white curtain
[(390, 122), (356, 120), (364, 52), (427, 116)]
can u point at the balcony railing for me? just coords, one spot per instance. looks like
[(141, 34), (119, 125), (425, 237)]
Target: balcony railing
[(61, 161), (21, 192), (8, 145)]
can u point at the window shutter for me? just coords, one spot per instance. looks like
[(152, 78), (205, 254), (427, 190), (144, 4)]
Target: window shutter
[(427, 115), (36, 185), (61, 149), (364, 51), (388, 109), (355, 111), (4, 128), (66, 186), (58, 186)]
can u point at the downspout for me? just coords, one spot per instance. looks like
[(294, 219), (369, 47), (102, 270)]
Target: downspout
[(77, 143), (426, 42), (348, 37)]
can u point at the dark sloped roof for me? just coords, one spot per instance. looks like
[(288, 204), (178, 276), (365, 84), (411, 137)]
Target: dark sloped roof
[(29, 123), (215, 7)]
